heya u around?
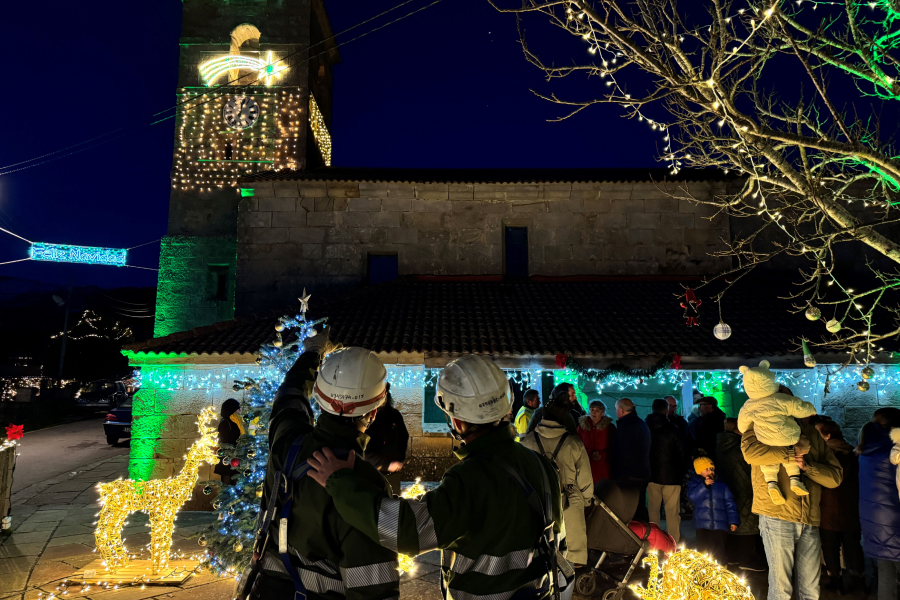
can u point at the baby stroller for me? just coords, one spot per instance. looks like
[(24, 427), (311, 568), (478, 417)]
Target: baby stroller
[(608, 532)]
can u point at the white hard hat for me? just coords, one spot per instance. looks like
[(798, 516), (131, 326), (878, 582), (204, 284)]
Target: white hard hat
[(473, 389), (351, 382)]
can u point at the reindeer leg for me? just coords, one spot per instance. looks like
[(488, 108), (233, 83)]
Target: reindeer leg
[(162, 525), (108, 536)]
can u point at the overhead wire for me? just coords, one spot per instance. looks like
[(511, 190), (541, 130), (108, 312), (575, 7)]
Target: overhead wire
[(221, 90)]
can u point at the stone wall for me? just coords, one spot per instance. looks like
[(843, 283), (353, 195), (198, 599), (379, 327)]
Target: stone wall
[(317, 234), (852, 408), (183, 299), (165, 414)]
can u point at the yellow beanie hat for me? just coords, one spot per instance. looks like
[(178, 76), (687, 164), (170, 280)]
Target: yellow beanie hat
[(703, 463)]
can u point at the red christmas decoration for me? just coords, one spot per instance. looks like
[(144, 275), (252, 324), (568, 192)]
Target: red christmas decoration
[(15, 432), (235, 462), (691, 308), (561, 360), (676, 362)]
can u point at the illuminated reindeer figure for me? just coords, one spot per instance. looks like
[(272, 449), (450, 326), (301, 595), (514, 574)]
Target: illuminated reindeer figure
[(160, 498), (691, 575)]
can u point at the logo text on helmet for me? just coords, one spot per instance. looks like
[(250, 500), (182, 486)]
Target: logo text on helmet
[(491, 401)]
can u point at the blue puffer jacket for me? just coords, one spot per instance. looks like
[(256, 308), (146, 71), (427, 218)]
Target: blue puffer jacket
[(714, 506), (879, 504)]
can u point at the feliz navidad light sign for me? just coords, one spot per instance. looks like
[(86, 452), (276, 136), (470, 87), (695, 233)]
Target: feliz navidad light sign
[(85, 255)]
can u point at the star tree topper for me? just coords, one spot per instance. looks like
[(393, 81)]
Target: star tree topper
[(304, 301)]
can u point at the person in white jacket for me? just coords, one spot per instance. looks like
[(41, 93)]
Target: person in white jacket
[(772, 414), (566, 451)]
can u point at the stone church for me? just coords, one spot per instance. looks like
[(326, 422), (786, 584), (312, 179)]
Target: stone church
[(421, 265)]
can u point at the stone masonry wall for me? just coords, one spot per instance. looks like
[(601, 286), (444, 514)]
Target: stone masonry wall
[(851, 408), (317, 234), (429, 454), (165, 414)]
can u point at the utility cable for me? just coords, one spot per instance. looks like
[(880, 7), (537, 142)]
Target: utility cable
[(144, 244), (15, 235), (221, 90), (9, 262)]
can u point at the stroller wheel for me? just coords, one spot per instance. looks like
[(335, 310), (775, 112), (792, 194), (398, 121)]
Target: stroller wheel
[(611, 594), (586, 584)]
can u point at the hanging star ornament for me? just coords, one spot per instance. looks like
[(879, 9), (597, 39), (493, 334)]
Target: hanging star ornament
[(304, 301)]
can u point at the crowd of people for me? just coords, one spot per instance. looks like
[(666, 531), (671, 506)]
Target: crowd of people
[(803, 497), (777, 489)]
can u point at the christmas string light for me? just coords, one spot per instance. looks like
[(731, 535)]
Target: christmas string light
[(320, 130), (415, 491), (267, 69), (160, 498), (690, 575)]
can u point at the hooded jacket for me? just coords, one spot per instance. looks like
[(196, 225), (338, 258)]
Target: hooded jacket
[(714, 506), (772, 414), (840, 505), (822, 470), (733, 471), (575, 480), (704, 430), (598, 438), (666, 451), (879, 504)]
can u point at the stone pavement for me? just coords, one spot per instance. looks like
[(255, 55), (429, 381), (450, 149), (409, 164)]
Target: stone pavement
[(52, 537)]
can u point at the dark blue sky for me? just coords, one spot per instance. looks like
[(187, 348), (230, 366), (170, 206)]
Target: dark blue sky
[(447, 87)]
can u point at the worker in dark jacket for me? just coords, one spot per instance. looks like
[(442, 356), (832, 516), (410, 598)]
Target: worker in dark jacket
[(879, 499), (332, 559), (631, 454), (489, 532), (388, 441), (231, 427), (734, 471), (710, 422), (666, 468), (839, 525)]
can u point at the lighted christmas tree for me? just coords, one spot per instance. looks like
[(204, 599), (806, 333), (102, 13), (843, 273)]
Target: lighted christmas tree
[(229, 541)]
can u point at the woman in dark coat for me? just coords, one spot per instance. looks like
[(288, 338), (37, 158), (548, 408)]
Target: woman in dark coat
[(734, 471), (230, 429), (879, 503), (388, 442)]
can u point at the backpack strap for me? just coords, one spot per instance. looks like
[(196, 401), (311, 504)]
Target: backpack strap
[(559, 446)]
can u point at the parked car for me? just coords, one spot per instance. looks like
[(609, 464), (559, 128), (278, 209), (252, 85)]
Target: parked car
[(101, 394), (118, 423)]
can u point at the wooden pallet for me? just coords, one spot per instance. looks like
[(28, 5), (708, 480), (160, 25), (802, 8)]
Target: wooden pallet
[(178, 571)]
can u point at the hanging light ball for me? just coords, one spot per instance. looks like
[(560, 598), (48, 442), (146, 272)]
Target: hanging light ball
[(277, 343), (248, 472), (207, 490), (238, 546), (279, 327), (722, 331), (833, 325), (862, 386), (868, 373), (235, 462), (813, 313), (251, 453), (202, 540)]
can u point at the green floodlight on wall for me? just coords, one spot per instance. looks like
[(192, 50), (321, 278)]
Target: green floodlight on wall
[(86, 255)]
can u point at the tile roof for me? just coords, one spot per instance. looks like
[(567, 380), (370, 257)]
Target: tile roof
[(599, 319), (464, 176)]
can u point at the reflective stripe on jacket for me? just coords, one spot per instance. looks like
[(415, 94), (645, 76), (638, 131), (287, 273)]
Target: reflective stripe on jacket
[(478, 516)]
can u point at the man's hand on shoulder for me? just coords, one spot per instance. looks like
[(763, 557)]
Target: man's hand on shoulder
[(324, 463)]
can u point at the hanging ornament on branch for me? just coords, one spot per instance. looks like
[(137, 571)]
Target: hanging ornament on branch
[(833, 326), (808, 359), (691, 306), (813, 314), (722, 331)]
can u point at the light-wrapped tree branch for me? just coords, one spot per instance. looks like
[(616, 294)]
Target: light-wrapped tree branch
[(813, 170)]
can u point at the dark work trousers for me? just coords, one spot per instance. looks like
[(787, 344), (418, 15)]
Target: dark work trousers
[(833, 542), (642, 514), (713, 543)]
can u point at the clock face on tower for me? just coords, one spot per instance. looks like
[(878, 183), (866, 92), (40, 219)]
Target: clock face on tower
[(240, 112)]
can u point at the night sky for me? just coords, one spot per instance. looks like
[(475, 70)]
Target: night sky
[(447, 87)]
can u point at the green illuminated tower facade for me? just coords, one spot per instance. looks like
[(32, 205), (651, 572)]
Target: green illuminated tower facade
[(254, 93)]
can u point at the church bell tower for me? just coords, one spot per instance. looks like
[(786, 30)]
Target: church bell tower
[(254, 94)]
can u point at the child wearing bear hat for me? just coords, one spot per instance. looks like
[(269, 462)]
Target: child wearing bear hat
[(772, 416)]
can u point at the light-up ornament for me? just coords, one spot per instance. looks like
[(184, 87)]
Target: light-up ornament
[(407, 563), (722, 331), (267, 69), (160, 498), (86, 255), (690, 574)]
